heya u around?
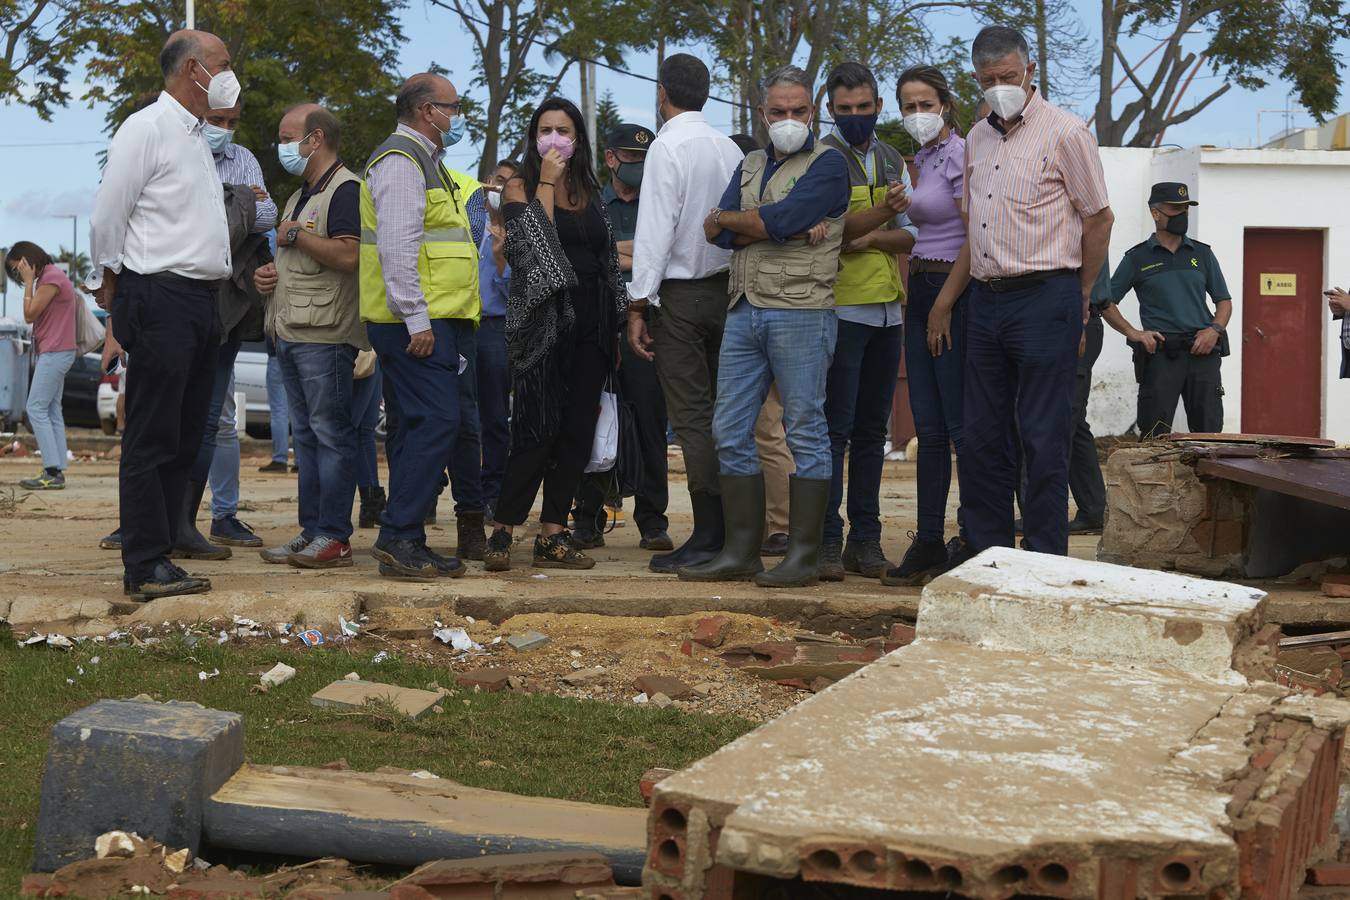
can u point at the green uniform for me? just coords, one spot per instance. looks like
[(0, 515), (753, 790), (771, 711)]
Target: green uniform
[(622, 217), (1172, 291)]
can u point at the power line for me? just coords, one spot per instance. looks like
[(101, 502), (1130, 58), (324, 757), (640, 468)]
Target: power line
[(595, 62)]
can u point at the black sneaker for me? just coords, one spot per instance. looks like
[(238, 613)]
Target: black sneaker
[(774, 545), (112, 541), (446, 566), (959, 553), (1081, 525), (404, 559), (831, 565), (558, 552), (922, 561), (273, 467), (166, 580), (587, 538), (229, 531), (656, 540), (497, 557), (865, 558)]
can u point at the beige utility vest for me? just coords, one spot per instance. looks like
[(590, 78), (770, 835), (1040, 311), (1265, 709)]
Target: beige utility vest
[(793, 274), (312, 303)]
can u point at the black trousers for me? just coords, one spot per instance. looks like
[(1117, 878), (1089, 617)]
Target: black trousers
[(559, 462), (169, 328), (1171, 374), (640, 386), (1085, 470)]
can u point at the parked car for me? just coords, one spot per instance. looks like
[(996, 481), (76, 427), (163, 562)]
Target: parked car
[(79, 397), (250, 378), (107, 401)]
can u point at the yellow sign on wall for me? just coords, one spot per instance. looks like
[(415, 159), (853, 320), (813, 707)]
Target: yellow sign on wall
[(1279, 284)]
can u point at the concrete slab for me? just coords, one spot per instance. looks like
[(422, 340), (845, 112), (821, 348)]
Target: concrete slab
[(400, 820), (1008, 599), (132, 766), (315, 608), (355, 694)]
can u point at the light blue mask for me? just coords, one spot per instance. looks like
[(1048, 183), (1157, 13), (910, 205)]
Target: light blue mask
[(217, 137), (290, 158), (456, 132)]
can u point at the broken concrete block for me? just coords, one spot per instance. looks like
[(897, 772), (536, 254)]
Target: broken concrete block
[(115, 764), (902, 633), (584, 676), (409, 701), (673, 688), (1008, 599), (535, 875), (27, 611), (490, 680), (1336, 586), (649, 780), (277, 675), (712, 631), (118, 845), (528, 640), (322, 609)]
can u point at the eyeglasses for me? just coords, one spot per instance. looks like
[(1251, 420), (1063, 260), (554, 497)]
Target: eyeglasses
[(453, 107)]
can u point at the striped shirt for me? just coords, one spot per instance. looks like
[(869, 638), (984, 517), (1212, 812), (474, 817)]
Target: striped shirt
[(1028, 190), (238, 165)]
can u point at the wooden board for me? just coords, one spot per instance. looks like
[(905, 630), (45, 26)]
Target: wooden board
[(1186, 437), (1320, 480)]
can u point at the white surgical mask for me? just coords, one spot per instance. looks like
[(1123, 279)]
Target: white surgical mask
[(788, 135), (223, 90), (923, 126), (494, 199), (1007, 100)]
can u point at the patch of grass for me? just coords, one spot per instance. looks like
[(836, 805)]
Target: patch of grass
[(534, 744)]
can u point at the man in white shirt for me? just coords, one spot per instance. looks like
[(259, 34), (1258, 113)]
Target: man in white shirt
[(679, 287), (159, 243)]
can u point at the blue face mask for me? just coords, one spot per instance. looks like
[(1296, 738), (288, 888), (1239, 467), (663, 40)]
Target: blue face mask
[(456, 132), (290, 158), (217, 137), (856, 130)]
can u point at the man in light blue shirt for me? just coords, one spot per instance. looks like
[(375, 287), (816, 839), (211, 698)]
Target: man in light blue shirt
[(494, 369)]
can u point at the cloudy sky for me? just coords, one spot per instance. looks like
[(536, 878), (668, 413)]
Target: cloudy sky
[(51, 169)]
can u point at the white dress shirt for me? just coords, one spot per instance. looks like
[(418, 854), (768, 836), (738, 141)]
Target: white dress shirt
[(160, 207), (687, 169)]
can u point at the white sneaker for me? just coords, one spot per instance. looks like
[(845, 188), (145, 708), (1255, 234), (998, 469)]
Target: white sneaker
[(282, 554)]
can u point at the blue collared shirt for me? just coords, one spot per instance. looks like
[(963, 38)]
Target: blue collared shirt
[(493, 286), (821, 193)]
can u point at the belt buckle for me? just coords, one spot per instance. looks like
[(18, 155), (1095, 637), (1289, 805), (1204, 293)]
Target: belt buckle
[(994, 284)]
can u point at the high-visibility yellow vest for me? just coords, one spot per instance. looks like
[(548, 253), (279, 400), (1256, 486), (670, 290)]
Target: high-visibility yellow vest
[(871, 275), (447, 260)]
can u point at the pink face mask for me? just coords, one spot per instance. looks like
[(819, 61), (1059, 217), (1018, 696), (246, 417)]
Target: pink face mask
[(555, 141)]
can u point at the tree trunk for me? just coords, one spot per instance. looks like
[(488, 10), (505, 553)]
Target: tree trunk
[(1042, 54), (588, 103), (660, 61)]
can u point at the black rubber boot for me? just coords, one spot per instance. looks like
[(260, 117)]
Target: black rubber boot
[(807, 498), (372, 505), (743, 521), (472, 541), (703, 544), (191, 544)]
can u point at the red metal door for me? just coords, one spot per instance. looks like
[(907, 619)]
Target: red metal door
[(1282, 332)]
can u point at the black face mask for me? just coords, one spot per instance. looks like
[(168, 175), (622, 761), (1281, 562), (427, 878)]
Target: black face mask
[(1178, 224)]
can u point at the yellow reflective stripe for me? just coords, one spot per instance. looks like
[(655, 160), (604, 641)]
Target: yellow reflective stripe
[(435, 236)]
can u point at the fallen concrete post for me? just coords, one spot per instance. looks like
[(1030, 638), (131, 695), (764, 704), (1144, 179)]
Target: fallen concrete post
[(176, 772), (1055, 730), (539, 876)]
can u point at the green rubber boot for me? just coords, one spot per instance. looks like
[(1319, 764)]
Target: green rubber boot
[(743, 512), (808, 498)]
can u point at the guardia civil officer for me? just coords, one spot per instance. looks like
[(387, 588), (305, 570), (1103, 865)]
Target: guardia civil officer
[(1177, 351)]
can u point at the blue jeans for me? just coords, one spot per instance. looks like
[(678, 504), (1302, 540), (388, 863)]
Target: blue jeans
[(858, 394), (365, 417), (1021, 365), (423, 397), (494, 404), (318, 381), (276, 406), (224, 474), (792, 347), (220, 383), (935, 399), (44, 406)]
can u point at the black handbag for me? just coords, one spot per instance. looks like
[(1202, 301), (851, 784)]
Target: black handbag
[(627, 471)]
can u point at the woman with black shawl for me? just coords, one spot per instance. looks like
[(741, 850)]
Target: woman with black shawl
[(566, 302)]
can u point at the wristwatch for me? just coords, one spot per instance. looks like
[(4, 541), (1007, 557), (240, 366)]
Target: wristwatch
[(290, 235), (1219, 328)]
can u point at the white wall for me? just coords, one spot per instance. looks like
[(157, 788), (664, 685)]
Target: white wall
[(1236, 189)]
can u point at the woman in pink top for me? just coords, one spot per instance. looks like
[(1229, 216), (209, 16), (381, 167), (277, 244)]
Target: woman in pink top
[(935, 382), (49, 304)]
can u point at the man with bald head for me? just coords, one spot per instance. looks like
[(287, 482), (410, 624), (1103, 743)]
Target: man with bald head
[(314, 318), (419, 298), (159, 245)]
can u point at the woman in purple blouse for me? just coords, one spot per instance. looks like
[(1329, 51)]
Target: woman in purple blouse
[(935, 382)]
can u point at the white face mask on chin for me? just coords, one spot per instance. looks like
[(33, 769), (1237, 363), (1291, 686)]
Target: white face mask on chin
[(1007, 100), (788, 135)]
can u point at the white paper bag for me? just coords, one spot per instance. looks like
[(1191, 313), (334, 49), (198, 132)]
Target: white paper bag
[(605, 447)]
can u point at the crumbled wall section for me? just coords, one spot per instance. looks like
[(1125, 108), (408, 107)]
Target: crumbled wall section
[(1161, 515), (950, 767)]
